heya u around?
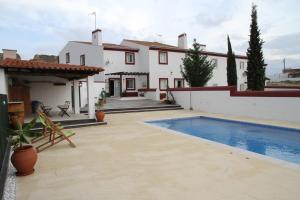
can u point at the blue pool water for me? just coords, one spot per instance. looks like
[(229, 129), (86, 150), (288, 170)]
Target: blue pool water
[(278, 142)]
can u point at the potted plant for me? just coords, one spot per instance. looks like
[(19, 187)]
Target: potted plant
[(102, 100), (24, 157)]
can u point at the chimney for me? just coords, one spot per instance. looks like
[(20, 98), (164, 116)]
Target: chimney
[(182, 41), (97, 37), (9, 53)]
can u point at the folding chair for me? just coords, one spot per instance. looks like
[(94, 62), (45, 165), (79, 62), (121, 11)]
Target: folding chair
[(54, 133), (46, 109), (64, 108)]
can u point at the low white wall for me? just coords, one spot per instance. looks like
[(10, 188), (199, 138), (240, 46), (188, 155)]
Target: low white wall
[(282, 89), (51, 95), (151, 95), (273, 108)]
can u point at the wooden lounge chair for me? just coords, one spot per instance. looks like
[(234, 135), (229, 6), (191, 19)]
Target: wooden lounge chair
[(54, 133)]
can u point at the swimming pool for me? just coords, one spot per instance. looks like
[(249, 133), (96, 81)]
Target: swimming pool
[(277, 142)]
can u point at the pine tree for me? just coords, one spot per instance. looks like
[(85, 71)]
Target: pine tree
[(231, 66), (198, 69), (256, 64)]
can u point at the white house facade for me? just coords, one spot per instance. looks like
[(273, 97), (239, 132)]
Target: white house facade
[(135, 65)]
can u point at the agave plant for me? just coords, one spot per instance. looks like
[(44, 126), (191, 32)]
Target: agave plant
[(23, 134)]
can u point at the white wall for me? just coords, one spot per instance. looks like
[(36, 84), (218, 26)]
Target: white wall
[(50, 94), (272, 108), (93, 55), (117, 62), (97, 88), (3, 82), (143, 55), (172, 70)]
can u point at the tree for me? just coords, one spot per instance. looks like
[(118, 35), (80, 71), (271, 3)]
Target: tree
[(256, 64), (231, 66), (198, 69)]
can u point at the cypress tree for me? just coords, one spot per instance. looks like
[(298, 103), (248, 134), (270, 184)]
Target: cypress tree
[(198, 69), (256, 64), (231, 66)]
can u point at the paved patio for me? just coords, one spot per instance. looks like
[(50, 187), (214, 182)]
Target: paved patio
[(130, 160)]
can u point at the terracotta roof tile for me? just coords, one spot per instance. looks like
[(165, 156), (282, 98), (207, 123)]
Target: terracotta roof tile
[(25, 64), (166, 47)]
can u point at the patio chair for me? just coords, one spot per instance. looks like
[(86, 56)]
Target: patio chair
[(64, 108), (54, 133), (46, 109)]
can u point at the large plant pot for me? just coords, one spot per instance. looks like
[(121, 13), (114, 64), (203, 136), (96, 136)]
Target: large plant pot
[(24, 159), (100, 116)]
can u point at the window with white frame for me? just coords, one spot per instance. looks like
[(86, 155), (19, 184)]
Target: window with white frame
[(163, 83), (242, 65), (178, 82), (82, 60), (67, 57), (130, 84), (163, 57), (215, 62), (129, 58)]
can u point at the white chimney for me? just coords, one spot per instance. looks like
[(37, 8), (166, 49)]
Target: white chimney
[(97, 37), (182, 41), (9, 53)]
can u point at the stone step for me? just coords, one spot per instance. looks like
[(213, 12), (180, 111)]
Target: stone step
[(78, 125), (142, 110)]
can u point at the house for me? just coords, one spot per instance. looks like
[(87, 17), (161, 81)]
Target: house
[(50, 83), (289, 76), (134, 66)]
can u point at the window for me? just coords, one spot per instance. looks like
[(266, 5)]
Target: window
[(215, 62), (242, 65), (178, 82), (163, 57), (163, 83), (67, 57), (82, 60), (130, 83), (129, 58)]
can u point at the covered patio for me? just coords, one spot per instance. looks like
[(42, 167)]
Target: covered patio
[(116, 83), (51, 84)]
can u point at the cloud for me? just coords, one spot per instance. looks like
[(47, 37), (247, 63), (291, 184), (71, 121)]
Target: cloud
[(34, 26)]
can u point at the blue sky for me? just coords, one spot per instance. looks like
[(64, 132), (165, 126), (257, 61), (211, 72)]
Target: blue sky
[(44, 27)]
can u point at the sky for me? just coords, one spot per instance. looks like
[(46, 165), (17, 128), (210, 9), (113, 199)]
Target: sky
[(44, 27)]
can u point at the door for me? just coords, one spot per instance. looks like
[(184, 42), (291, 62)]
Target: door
[(116, 88), (111, 87)]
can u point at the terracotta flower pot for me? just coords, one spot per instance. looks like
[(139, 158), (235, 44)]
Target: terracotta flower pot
[(24, 159), (100, 116)]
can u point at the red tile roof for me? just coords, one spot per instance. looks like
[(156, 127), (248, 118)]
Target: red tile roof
[(112, 47), (25, 64), (166, 47)]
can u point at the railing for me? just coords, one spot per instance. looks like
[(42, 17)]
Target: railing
[(4, 142)]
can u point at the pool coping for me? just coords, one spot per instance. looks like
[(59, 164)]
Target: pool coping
[(243, 151)]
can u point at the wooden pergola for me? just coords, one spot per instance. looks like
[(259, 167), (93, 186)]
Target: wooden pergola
[(121, 74)]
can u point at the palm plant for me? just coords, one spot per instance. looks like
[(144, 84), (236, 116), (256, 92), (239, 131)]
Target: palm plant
[(22, 134)]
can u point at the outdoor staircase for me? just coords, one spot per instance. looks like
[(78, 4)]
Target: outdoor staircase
[(142, 109)]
